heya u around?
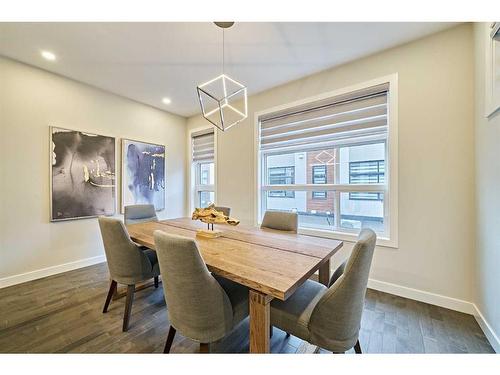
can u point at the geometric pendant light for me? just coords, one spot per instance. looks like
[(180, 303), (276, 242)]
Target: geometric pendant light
[(223, 100)]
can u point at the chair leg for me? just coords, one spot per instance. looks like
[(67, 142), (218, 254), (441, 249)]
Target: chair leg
[(357, 348), (128, 306), (112, 290), (156, 281), (170, 339), (204, 348)]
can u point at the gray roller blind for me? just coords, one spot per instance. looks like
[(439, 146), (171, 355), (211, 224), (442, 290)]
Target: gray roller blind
[(357, 117), (203, 146)]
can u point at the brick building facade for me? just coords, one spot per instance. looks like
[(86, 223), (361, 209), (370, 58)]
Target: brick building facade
[(319, 162)]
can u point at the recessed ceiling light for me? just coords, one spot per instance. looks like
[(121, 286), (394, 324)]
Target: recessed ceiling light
[(48, 55), (166, 101)]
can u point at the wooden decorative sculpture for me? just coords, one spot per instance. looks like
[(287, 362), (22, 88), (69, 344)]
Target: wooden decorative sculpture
[(209, 216)]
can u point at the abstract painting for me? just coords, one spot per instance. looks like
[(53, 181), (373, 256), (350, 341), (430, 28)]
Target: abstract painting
[(82, 174), (143, 174)]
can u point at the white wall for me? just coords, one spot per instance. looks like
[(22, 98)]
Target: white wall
[(31, 100), (436, 159), (487, 177)]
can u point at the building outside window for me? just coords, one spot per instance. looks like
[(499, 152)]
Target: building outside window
[(319, 177), (366, 172), (205, 188), (317, 208), (281, 176)]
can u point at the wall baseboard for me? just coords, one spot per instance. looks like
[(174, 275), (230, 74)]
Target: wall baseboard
[(49, 271), (487, 329), (442, 301), (423, 296)]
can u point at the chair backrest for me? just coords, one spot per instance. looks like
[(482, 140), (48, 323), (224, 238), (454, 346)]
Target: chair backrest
[(140, 213), (125, 260), (281, 220), (198, 307), (336, 318), (225, 210), (338, 272)]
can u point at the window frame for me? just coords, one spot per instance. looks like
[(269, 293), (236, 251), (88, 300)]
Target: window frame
[(194, 185), (389, 189)]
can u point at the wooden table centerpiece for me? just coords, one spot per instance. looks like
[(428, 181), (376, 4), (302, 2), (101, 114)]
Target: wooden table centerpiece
[(211, 216)]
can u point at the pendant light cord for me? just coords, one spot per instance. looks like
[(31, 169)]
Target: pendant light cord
[(223, 52)]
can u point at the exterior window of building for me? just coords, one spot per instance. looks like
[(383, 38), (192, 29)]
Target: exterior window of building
[(281, 176), (366, 172), (203, 168), (205, 187), (330, 158), (206, 177), (319, 177)]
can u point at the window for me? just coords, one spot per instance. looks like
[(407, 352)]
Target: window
[(366, 172), (319, 177), (203, 168), (331, 158), (205, 198), (281, 176)]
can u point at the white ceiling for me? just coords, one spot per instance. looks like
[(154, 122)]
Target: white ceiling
[(148, 61)]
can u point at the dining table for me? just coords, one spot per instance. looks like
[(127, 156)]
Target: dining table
[(270, 263)]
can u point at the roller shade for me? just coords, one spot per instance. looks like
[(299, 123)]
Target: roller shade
[(203, 146), (358, 117)]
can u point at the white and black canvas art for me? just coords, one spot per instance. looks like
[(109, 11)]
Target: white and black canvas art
[(82, 174), (143, 174)]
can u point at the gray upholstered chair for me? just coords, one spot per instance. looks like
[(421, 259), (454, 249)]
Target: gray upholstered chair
[(330, 317), (225, 210), (338, 272), (281, 220), (201, 307), (127, 263), (140, 213)]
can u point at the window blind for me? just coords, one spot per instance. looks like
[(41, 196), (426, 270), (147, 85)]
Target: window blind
[(357, 117), (203, 146)]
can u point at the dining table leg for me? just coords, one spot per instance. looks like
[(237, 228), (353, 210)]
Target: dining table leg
[(324, 273), (260, 319)]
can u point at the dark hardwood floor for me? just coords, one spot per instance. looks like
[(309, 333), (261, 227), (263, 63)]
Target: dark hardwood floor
[(63, 314)]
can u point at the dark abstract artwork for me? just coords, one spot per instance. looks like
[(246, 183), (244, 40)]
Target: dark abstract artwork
[(82, 174), (143, 174)]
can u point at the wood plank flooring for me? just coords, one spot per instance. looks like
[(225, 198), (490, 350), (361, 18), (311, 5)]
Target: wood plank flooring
[(63, 314)]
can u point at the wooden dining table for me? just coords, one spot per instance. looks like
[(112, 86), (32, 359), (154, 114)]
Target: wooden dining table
[(270, 263)]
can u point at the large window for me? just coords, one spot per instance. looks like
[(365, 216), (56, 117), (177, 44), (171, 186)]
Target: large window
[(329, 157), (203, 168)]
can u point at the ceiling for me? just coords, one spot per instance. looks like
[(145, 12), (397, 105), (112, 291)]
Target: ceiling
[(148, 61)]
